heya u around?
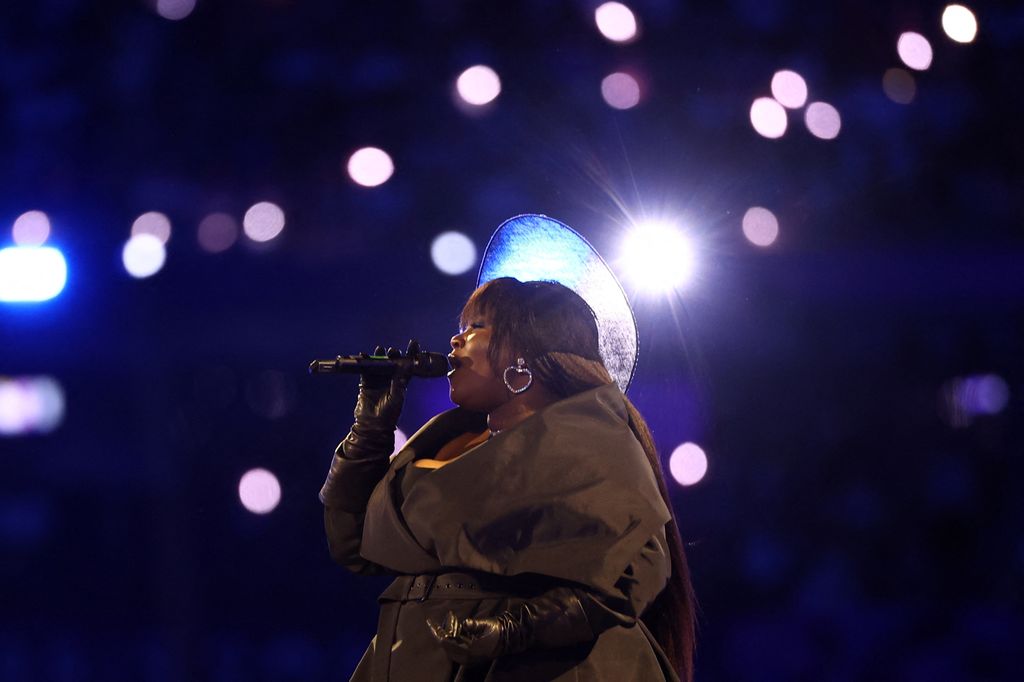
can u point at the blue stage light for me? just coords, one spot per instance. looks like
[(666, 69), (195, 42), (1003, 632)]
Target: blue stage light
[(30, 274)]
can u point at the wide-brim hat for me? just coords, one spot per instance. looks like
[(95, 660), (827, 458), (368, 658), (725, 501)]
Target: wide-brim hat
[(533, 247)]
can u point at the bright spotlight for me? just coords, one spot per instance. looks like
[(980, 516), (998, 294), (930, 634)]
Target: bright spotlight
[(31, 229), (620, 91), (453, 253), (789, 89), (616, 22), (823, 120), (478, 85), (768, 118), (915, 50), (658, 256), (959, 23), (370, 167), (154, 223), (688, 464), (30, 274), (259, 491), (263, 221), (143, 255)]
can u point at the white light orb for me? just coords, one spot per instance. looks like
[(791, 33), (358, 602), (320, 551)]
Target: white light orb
[(263, 221), (899, 86), (30, 404), (959, 23), (217, 232), (143, 255), (616, 22), (259, 491), (154, 223), (175, 10), (478, 85), (31, 274), (789, 89), (688, 464), (760, 226), (768, 118), (370, 167), (823, 120), (620, 91), (453, 253), (657, 256), (31, 228), (915, 50)]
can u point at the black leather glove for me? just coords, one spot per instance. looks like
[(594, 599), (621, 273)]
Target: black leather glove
[(377, 410), (555, 619)]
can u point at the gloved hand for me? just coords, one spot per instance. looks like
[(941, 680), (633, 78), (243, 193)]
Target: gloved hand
[(377, 410), (556, 618)]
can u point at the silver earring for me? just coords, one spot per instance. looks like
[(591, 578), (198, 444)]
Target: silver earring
[(519, 368)]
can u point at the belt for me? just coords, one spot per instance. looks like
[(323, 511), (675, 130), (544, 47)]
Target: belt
[(419, 588)]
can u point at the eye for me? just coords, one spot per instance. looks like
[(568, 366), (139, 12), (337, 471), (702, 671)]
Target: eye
[(472, 325)]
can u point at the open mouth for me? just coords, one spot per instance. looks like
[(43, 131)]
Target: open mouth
[(454, 362)]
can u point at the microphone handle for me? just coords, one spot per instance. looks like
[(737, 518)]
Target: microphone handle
[(425, 365)]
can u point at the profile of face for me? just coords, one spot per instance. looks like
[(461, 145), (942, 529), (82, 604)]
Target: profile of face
[(473, 382)]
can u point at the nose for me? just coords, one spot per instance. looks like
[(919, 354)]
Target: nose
[(457, 341)]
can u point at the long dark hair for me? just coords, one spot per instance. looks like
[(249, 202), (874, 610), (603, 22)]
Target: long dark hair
[(555, 331)]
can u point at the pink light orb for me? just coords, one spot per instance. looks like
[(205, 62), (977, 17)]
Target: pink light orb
[(760, 226), (688, 464), (959, 23), (175, 10), (154, 223), (31, 228), (620, 90), (259, 491), (370, 167), (217, 232), (789, 89), (478, 85), (768, 118), (822, 120), (899, 86), (616, 22), (915, 50), (263, 221)]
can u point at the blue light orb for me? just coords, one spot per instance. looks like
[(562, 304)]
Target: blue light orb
[(30, 274)]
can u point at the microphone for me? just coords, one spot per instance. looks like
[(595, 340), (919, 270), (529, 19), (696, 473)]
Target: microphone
[(421, 364)]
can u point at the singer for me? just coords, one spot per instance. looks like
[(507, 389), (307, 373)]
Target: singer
[(529, 528)]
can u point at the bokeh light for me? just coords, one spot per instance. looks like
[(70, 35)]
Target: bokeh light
[(768, 117), (620, 90), (31, 228), (965, 398), (370, 167), (259, 491), (263, 221), (31, 274), (478, 85), (823, 120), (899, 86), (616, 22), (760, 226), (688, 464), (453, 253), (30, 405), (143, 255), (915, 50), (154, 223), (789, 89), (959, 23), (657, 256), (175, 10), (217, 232)]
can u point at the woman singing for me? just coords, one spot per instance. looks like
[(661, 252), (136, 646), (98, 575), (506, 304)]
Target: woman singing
[(529, 528)]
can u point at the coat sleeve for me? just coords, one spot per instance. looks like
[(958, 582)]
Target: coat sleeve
[(345, 493)]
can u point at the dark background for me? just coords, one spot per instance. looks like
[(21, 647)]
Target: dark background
[(855, 522)]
